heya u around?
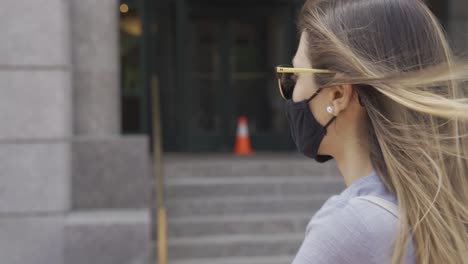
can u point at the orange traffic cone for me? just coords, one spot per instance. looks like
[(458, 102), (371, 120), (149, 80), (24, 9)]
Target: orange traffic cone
[(242, 147)]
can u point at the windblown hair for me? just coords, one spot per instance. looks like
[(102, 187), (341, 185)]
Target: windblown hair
[(396, 56)]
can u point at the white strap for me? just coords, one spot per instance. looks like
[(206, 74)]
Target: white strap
[(389, 206)]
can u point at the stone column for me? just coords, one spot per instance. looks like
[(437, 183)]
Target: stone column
[(95, 59), (108, 170), (35, 124), (109, 221)]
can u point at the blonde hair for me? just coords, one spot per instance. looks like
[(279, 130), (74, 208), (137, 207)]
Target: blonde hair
[(395, 54)]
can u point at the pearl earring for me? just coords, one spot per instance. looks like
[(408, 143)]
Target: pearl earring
[(330, 109)]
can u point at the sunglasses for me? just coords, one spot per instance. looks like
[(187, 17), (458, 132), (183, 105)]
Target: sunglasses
[(286, 75)]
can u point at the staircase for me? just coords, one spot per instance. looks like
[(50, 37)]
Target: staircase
[(230, 210)]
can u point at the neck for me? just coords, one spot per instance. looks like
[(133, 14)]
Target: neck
[(354, 162)]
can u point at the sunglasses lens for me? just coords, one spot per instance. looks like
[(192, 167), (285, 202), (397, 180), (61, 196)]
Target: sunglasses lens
[(288, 82)]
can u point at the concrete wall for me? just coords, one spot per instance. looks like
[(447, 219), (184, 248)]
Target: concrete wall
[(95, 58), (35, 114), (110, 187), (70, 183)]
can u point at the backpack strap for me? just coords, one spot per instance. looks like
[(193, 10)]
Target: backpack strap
[(388, 206)]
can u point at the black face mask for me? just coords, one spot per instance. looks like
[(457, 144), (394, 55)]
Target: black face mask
[(306, 131)]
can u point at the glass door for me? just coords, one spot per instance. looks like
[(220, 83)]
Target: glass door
[(205, 84), (253, 53), (230, 74)]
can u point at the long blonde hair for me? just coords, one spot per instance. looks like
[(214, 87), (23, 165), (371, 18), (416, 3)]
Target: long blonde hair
[(396, 56)]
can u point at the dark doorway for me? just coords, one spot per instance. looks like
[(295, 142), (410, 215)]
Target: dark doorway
[(225, 58)]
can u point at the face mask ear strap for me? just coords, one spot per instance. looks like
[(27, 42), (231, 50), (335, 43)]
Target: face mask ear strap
[(329, 122), (315, 94)]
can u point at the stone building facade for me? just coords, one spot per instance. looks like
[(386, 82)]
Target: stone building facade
[(73, 189)]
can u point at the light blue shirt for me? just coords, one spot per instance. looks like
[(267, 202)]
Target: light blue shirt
[(346, 231)]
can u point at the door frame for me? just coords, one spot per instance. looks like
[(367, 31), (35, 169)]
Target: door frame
[(185, 10)]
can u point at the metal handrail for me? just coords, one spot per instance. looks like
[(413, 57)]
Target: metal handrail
[(158, 172)]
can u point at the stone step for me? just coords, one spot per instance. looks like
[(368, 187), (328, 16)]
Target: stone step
[(234, 246), (108, 237), (197, 187), (251, 179), (239, 260), (259, 224), (234, 210), (274, 165), (305, 204)]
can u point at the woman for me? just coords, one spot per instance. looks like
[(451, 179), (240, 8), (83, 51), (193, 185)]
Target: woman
[(374, 85)]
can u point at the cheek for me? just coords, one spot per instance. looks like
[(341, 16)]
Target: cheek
[(304, 89), (300, 92)]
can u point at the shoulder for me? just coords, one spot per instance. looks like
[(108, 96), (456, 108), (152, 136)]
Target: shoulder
[(360, 215), (351, 232), (378, 221)]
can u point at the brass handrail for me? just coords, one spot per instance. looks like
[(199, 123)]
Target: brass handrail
[(158, 172)]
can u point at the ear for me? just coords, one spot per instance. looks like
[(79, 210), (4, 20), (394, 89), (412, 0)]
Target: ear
[(341, 97)]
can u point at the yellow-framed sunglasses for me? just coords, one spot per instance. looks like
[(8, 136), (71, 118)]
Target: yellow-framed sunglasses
[(287, 79)]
